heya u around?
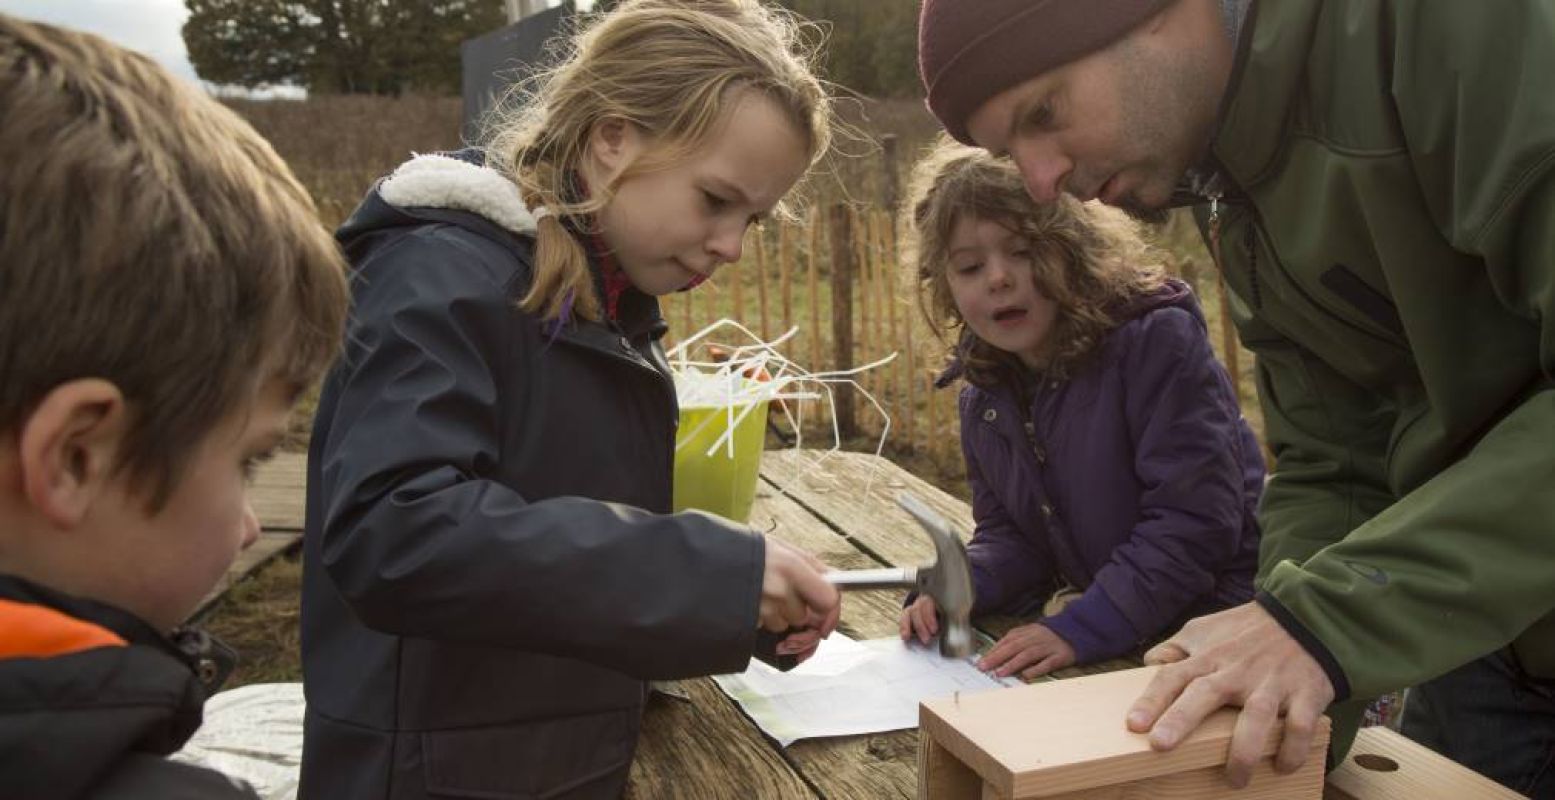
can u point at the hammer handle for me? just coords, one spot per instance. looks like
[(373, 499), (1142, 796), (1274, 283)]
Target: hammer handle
[(884, 578)]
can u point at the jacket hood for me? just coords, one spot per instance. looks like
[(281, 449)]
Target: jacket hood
[(428, 186), (1173, 293)]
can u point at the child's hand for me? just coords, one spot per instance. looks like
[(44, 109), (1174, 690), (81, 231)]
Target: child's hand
[(1032, 650), (920, 619), (801, 644), (795, 595)]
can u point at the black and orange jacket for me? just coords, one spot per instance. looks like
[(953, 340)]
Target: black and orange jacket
[(92, 699)]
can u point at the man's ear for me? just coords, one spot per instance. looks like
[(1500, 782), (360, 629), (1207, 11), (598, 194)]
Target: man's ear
[(613, 144), (68, 446)]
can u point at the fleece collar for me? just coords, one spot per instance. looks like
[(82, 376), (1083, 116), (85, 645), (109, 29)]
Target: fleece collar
[(438, 181)]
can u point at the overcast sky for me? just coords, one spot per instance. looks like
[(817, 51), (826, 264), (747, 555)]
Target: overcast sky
[(151, 26)]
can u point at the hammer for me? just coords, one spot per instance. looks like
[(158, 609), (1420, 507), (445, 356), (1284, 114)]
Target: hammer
[(948, 580)]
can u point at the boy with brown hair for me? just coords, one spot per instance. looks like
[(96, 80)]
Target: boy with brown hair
[(166, 292)]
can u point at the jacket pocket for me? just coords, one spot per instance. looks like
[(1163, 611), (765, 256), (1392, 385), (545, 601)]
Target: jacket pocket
[(1374, 304), (574, 757)]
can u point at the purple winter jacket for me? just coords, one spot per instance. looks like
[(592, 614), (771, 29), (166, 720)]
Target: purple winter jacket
[(1136, 482)]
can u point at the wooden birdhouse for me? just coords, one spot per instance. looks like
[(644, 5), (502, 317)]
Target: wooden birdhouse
[(1066, 740)]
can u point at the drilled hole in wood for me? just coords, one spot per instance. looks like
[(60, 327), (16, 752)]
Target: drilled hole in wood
[(1376, 763)]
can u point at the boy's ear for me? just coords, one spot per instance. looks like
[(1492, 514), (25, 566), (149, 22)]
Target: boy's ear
[(68, 446), (613, 144)]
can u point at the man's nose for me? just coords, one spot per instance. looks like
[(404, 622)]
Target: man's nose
[(1044, 171)]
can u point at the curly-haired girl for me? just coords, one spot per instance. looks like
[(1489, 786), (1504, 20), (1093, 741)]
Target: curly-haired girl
[(1109, 463)]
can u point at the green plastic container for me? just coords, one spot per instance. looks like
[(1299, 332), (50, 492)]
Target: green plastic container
[(718, 483)]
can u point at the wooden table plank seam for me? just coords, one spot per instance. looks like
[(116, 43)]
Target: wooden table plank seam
[(831, 524)]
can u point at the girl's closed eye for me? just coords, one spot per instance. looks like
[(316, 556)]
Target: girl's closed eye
[(715, 203)]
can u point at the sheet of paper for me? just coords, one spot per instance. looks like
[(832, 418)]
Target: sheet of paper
[(851, 687)]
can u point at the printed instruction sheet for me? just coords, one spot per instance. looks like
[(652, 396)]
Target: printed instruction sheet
[(851, 687)]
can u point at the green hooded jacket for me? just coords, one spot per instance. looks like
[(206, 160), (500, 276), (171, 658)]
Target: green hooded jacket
[(1388, 237)]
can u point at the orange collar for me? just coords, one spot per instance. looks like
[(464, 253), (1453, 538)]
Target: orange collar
[(33, 631)]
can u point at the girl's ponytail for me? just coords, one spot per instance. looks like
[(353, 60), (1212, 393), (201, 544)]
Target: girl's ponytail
[(562, 287)]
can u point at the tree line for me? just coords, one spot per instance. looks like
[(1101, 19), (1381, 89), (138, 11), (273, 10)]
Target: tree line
[(395, 46)]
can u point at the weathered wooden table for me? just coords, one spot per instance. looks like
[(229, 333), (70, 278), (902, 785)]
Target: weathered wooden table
[(841, 507)]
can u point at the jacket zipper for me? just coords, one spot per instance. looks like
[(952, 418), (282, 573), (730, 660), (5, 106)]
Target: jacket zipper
[(1030, 428), (1250, 244), (1220, 266), (1064, 555)]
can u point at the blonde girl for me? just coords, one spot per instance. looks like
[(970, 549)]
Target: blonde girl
[(491, 571)]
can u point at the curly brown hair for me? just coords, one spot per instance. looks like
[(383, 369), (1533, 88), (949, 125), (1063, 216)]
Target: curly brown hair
[(1089, 259)]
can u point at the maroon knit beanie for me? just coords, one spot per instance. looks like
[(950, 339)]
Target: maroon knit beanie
[(971, 50)]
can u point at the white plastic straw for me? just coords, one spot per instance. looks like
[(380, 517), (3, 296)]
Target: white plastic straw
[(732, 382)]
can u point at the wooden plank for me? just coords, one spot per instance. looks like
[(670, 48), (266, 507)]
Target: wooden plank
[(1209, 783), (278, 492), (269, 546), (705, 748), (1062, 738), (1384, 765), (942, 776), (856, 493)]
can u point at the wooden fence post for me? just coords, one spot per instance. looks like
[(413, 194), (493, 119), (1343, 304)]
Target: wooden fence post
[(761, 283), (888, 170), (842, 269), (932, 437), (893, 286), (815, 290), (736, 274), (911, 428), (785, 273), (690, 298), (875, 344), (864, 294), (667, 310)]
